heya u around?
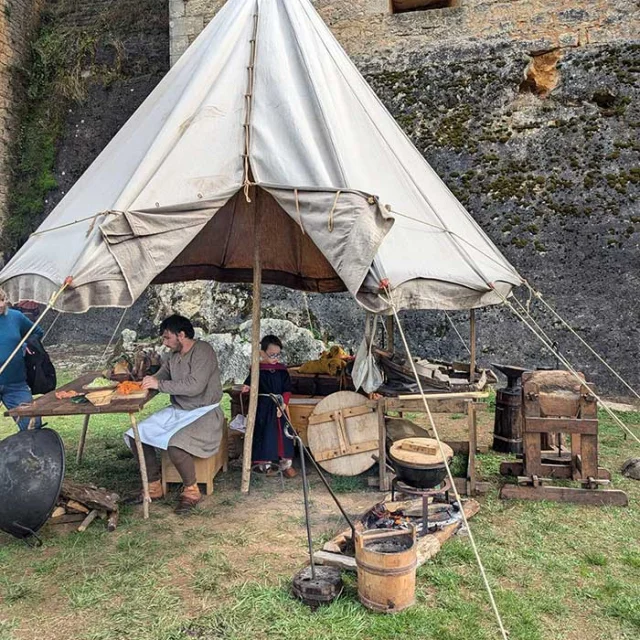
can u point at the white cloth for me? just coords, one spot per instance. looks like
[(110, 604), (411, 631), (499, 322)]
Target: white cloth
[(157, 429)]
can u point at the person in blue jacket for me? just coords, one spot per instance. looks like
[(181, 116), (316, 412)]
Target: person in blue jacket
[(14, 389)]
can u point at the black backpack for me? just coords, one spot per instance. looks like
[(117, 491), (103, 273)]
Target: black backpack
[(41, 374)]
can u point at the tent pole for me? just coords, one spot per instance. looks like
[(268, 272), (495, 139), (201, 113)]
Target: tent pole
[(472, 345), (255, 353)]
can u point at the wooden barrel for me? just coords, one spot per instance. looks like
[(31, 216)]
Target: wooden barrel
[(386, 562), (507, 429)]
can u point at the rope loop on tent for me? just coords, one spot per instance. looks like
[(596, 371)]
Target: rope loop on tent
[(538, 295), (569, 367), (333, 208), (385, 288), (295, 194)]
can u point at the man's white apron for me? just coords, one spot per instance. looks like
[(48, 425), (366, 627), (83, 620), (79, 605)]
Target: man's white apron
[(157, 429)]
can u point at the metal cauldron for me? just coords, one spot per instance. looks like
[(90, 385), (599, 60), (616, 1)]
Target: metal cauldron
[(31, 472), (418, 461)]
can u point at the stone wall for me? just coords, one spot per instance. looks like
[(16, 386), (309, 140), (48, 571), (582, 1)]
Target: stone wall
[(18, 20), (366, 27)]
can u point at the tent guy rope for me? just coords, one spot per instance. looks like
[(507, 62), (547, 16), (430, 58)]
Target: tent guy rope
[(569, 367), (464, 344), (385, 287), (538, 296)]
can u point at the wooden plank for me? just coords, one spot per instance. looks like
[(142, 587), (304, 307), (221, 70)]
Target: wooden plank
[(348, 563), (595, 497), (330, 416), (554, 471), (332, 454), (473, 443), (67, 518), (562, 425), (467, 395), (49, 405), (383, 477)]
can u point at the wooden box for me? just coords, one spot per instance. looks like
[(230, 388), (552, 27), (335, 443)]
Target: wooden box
[(206, 468)]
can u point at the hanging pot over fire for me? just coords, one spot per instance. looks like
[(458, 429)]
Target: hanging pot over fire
[(419, 462)]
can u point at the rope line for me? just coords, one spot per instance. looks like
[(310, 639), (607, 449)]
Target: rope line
[(464, 344), (93, 218), (249, 108), (570, 368), (539, 297), (458, 237), (335, 204), (104, 353), (295, 193), (485, 579), (44, 337)]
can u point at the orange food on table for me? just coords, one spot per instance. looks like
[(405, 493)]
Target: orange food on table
[(61, 395), (127, 387)]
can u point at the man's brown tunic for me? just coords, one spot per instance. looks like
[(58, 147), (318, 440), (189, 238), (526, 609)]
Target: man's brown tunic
[(193, 381)]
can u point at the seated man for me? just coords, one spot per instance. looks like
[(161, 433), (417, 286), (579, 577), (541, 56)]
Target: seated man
[(192, 425), (14, 389)]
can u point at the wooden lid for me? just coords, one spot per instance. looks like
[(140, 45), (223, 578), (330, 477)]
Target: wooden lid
[(420, 451)]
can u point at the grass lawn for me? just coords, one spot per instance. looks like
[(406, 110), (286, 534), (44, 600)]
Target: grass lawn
[(558, 571)]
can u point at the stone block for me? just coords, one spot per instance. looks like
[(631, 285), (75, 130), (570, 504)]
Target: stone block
[(176, 9), (180, 27)]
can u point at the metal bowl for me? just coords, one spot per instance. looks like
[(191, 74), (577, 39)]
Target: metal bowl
[(31, 472)]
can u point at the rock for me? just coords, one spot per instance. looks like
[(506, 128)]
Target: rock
[(127, 340), (631, 468), (299, 345)]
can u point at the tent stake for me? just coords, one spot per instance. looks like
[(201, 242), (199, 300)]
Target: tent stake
[(255, 352), (472, 341)]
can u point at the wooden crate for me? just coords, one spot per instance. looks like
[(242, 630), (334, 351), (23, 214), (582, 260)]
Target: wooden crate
[(206, 468)]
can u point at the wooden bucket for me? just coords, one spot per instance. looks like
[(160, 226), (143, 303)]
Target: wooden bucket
[(507, 429), (386, 562)]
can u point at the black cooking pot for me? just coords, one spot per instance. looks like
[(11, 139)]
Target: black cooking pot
[(422, 477), (420, 474), (31, 473)]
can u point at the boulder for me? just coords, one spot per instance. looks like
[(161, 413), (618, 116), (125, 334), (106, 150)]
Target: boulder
[(631, 468)]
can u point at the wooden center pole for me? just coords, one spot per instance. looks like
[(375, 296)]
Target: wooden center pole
[(472, 346), (255, 352)]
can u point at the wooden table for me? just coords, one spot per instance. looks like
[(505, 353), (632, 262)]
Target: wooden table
[(49, 405)]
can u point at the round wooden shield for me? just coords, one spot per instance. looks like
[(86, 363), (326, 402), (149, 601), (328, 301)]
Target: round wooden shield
[(343, 433)]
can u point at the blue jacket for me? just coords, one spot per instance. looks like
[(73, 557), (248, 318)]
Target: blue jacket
[(13, 326)]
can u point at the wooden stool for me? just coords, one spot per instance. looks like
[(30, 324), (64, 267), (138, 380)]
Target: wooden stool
[(206, 468)]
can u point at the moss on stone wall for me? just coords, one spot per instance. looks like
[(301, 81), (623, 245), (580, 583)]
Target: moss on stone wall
[(79, 44)]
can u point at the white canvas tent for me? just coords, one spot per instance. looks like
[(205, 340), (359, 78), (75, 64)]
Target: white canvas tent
[(266, 106)]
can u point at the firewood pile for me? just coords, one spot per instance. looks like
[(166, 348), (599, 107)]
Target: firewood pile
[(83, 503)]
